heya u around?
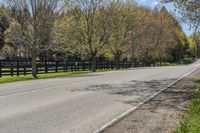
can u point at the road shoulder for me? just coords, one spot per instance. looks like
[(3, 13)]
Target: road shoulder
[(161, 114)]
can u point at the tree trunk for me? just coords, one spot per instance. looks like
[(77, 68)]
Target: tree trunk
[(34, 63), (133, 62), (160, 61), (117, 61), (93, 65)]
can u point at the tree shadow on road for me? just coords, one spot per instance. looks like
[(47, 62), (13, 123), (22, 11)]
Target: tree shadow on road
[(161, 113), (175, 97), (135, 91)]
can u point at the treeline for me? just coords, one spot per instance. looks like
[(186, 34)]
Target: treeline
[(96, 29)]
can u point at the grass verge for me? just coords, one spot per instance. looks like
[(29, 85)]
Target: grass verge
[(191, 123), (9, 79), (184, 61)]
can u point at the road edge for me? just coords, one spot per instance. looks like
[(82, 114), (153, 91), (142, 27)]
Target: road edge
[(118, 118)]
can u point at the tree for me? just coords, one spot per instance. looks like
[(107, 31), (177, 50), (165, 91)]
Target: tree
[(155, 38), (4, 24), (190, 10), (35, 19), (192, 48), (64, 35), (91, 19), (196, 37), (118, 29)]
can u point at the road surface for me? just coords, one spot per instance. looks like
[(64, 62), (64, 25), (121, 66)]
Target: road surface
[(82, 103)]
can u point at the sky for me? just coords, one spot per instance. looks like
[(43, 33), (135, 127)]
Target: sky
[(170, 7)]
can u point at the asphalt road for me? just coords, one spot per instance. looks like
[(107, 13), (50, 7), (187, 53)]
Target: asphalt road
[(80, 104)]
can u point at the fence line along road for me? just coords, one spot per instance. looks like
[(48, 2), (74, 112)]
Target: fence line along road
[(23, 67)]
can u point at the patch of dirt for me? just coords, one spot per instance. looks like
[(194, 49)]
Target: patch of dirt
[(161, 114)]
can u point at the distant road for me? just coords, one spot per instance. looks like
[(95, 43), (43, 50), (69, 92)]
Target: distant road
[(80, 104)]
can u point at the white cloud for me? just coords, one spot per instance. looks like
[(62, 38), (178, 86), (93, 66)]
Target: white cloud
[(155, 3), (142, 0)]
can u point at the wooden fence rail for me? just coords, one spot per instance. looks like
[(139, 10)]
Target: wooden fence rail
[(23, 67)]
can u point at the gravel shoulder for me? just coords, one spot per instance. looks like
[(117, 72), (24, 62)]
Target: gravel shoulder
[(161, 114)]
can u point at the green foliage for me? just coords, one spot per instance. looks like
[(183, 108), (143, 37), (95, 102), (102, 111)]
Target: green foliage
[(91, 29), (191, 123), (196, 38), (192, 48), (65, 35), (180, 48), (4, 24), (187, 61)]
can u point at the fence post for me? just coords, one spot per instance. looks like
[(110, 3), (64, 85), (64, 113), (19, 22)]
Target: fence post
[(56, 66), (25, 71), (108, 66), (111, 65), (36, 68), (26, 65), (90, 63), (0, 69), (78, 66), (45, 66), (75, 65), (96, 65), (66, 67), (63, 63), (71, 63), (17, 68), (11, 69), (71, 66), (83, 65), (100, 64)]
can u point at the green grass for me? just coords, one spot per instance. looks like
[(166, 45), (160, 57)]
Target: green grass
[(184, 61), (191, 123), (9, 79), (167, 64)]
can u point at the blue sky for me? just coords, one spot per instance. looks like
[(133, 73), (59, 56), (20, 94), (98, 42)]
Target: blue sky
[(170, 7)]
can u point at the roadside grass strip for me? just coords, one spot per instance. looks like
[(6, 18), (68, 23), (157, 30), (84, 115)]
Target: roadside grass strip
[(185, 61), (191, 122), (9, 79)]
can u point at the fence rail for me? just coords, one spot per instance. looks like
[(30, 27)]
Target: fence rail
[(23, 67)]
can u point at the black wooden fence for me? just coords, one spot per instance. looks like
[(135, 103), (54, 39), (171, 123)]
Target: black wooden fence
[(23, 67)]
